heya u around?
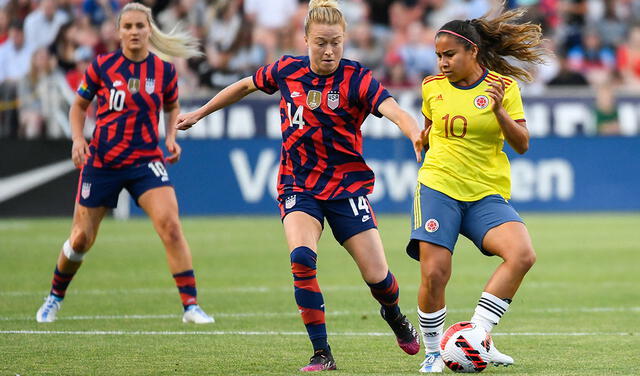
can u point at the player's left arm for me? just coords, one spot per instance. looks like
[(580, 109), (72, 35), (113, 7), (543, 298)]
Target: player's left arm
[(516, 133), (171, 111), (390, 109)]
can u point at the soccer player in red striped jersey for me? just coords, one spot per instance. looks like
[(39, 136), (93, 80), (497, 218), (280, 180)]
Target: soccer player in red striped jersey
[(132, 85), (324, 101)]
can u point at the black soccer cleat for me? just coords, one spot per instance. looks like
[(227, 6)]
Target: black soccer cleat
[(406, 335)]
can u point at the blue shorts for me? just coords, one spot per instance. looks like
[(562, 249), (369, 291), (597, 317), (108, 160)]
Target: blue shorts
[(346, 217), (101, 187), (438, 219)]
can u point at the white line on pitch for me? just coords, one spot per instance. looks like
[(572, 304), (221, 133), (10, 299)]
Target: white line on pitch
[(269, 333), (329, 313)]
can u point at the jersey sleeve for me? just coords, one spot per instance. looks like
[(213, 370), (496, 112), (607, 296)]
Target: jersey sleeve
[(426, 108), (371, 92), (90, 81), (170, 94), (265, 78), (512, 102)]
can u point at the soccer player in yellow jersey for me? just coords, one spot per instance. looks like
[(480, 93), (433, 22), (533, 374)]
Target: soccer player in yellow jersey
[(464, 185)]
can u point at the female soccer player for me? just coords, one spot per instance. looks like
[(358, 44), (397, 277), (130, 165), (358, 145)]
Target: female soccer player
[(132, 85), (464, 182), (324, 100)]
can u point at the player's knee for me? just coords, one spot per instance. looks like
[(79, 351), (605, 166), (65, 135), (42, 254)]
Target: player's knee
[(81, 240), (170, 231), (524, 259), (72, 253), (303, 261), (435, 277)]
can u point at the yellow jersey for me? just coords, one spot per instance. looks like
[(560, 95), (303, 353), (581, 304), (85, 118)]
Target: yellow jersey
[(465, 159)]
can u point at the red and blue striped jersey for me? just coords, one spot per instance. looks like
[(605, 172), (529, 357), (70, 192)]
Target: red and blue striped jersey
[(130, 97), (321, 118)]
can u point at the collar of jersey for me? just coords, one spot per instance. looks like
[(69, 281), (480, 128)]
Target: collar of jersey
[(307, 61), (484, 75), (132, 61)]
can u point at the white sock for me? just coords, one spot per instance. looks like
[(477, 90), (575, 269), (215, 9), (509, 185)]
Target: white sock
[(489, 310), (431, 327)]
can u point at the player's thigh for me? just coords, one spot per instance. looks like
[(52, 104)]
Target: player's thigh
[(84, 228), (302, 230), (510, 240), (487, 220), (302, 218), (160, 204), (435, 264), (367, 251)]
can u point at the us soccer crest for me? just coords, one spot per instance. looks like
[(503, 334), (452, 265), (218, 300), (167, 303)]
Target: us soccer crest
[(86, 190), (150, 85), (134, 85), (333, 99), (290, 202), (314, 98)]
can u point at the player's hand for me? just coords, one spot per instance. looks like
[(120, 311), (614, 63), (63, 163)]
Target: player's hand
[(418, 145), (175, 150), (186, 121), (79, 150), (424, 134), (496, 93)]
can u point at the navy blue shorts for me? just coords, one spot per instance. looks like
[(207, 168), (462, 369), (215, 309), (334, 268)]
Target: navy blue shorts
[(346, 217), (101, 187), (438, 219)]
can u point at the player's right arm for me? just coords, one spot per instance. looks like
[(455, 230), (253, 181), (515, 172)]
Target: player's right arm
[(77, 115), (227, 96)]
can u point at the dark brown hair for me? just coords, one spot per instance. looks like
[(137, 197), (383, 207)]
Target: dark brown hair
[(500, 37)]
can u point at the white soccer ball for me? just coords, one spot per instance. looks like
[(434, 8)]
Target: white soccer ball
[(465, 347)]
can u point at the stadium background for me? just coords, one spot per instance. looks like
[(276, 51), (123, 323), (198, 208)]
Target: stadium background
[(583, 111)]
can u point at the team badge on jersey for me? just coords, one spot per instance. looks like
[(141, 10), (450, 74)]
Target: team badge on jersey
[(432, 225), (134, 85), (290, 202), (481, 101), (86, 190), (150, 85), (314, 98), (333, 99)]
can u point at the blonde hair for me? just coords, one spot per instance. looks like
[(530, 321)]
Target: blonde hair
[(324, 12), (177, 42)]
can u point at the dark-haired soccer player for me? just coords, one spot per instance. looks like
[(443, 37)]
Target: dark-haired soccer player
[(324, 101), (132, 86)]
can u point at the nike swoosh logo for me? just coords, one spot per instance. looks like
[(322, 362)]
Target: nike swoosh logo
[(17, 184)]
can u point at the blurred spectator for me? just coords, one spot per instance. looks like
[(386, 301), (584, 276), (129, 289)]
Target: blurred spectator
[(363, 46), (591, 58), (629, 59), (396, 75), (15, 58), (4, 26), (41, 26), (419, 53), (18, 9), (64, 46), (443, 11), (270, 23), (606, 112), (100, 11), (82, 57), (611, 28), (108, 40), (567, 76)]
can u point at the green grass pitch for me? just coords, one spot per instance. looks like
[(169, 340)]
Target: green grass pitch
[(577, 313)]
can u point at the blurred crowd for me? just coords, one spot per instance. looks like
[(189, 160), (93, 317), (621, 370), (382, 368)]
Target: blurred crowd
[(45, 46)]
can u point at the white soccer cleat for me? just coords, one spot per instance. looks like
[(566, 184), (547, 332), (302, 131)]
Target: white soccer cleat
[(497, 358), (196, 315), (49, 309), (432, 363)]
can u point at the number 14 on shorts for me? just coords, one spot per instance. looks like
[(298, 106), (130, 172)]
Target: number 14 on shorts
[(361, 205), (159, 170)]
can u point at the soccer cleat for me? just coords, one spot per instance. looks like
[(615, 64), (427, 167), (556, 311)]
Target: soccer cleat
[(432, 363), (406, 334), (49, 309), (196, 315), (322, 360), (497, 358)]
